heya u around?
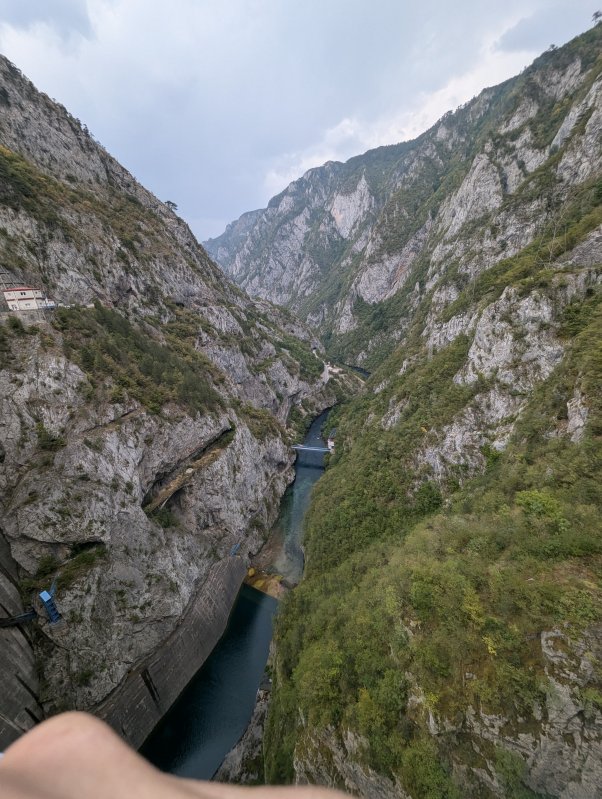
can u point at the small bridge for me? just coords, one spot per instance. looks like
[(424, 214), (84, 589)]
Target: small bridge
[(13, 621), (302, 448)]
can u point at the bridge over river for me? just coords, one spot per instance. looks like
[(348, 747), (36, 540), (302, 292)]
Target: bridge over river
[(303, 448)]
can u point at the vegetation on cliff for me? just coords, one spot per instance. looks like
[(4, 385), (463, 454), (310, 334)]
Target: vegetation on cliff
[(107, 345), (412, 607), (447, 633)]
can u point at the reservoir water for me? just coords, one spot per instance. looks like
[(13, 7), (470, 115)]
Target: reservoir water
[(288, 557), (214, 709)]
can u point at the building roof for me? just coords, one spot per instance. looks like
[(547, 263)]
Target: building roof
[(21, 288)]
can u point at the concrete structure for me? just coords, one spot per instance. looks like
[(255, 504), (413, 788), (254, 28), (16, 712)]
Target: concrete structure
[(26, 298), (20, 708), (136, 706), (302, 448)]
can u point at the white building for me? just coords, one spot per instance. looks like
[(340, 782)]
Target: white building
[(25, 298), (331, 437)]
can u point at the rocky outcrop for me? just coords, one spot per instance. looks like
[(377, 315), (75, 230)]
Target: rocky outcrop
[(564, 757), (327, 759), (243, 765)]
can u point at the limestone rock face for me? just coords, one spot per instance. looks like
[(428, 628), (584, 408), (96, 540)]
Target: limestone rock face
[(243, 765), (564, 757), (329, 759), (130, 499), (480, 192), (349, 209)]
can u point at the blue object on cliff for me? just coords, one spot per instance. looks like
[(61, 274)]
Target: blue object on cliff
[(234, 550), (53, 614)]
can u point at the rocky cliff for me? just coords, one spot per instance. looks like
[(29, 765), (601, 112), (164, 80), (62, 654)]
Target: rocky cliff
[(446, 641), (142, 428)]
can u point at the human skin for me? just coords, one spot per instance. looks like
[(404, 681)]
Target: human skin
[(76, 756)]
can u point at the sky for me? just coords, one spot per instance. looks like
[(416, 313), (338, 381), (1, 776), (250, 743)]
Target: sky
[(217, 105)]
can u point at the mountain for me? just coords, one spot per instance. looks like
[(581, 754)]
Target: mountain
[(446, 640), (143, 429), (353, 248)]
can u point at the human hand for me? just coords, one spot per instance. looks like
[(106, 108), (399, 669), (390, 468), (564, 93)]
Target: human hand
[(76, 756)]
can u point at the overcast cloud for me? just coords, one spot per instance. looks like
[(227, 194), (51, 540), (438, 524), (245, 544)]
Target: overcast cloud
[(218, 104)]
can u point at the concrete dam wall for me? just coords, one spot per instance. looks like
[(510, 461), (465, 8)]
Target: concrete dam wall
[(137, 705), (19, 706)]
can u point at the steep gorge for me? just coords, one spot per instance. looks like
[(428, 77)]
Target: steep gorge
[(446, 641)]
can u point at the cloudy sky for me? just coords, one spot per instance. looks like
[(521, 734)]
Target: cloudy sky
[(218, 104)]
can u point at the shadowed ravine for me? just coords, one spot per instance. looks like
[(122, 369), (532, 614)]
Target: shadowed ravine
[(213, 711)]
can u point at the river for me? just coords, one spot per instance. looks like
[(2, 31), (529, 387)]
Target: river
[(214, 709)]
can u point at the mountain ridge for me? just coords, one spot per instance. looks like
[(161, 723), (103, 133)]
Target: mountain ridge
[(329, 250)]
